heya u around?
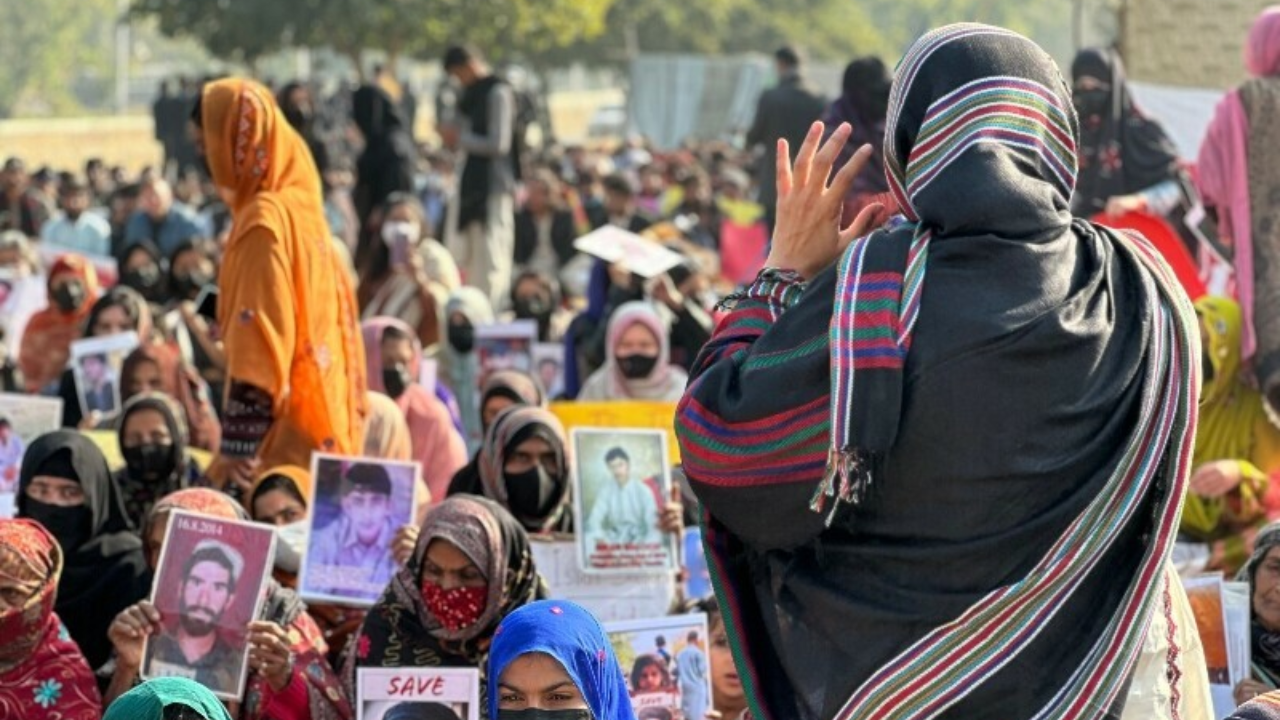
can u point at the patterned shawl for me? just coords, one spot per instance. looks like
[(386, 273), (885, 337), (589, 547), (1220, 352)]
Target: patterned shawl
[(515, 425), (400, 631), (998, 451), (43, 676), (324, 697), (1241, 191)]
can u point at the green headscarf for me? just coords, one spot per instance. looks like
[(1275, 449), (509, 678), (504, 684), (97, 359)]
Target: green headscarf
[(148, 700)]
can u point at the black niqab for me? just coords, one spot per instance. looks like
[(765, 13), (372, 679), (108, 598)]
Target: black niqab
[(109, 572)]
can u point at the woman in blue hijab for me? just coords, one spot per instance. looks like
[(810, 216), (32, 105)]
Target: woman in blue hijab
[(551, 660)]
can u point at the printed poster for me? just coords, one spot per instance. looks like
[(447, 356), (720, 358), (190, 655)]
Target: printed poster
[(622, 482), (211, 583), (96, 364), (641, 256), (23, 418), (507, 346), (666, 664), (548, 367), (358, 505), (1222, 613), (431, 693), (630, 414), (608, 597)]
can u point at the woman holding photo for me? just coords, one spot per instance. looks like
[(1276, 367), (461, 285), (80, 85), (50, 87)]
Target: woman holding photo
[(289, 676), (471, 567), (279, 498), (120, 310)]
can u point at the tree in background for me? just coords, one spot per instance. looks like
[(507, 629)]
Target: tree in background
[(46, 43)]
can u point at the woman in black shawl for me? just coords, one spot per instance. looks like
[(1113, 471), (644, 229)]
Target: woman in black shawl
[(1127, 162), (472, 565), (67, 487), (153, 440), (976, 523), (386, 165), (863, 103)]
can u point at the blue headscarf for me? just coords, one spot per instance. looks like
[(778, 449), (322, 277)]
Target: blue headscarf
[(571, 635)]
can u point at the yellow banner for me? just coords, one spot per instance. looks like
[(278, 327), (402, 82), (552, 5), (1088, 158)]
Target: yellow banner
[(107, 441), (631, 414)]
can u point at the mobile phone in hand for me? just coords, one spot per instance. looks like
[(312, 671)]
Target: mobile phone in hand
[(207, 302)]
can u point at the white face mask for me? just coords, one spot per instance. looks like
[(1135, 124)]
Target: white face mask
[(400, 232), (294, 535)]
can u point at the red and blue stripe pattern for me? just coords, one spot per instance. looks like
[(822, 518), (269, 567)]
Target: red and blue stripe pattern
[(788, 447)]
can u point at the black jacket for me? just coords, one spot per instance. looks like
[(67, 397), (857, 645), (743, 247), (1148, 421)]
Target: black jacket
[(785, 111), (563, 233)]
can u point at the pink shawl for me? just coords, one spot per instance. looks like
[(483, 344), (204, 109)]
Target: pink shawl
[(1223, 166), (436, 443)]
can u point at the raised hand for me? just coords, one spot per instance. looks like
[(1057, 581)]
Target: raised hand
[(808, 237)]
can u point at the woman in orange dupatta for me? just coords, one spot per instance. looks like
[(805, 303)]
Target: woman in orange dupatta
[(46, 343), (286, 310)]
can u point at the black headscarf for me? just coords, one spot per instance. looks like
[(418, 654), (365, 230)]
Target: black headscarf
[(108, 572), (386, 165), (420, 711), (140, 495), (863, 103), (1121, 151), (996, 409)]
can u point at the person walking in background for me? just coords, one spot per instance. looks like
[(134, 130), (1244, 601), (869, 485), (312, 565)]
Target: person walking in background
[(481, 229), (386, 165), (784, 111)]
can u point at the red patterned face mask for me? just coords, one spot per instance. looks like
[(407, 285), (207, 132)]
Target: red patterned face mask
[(455, 608)]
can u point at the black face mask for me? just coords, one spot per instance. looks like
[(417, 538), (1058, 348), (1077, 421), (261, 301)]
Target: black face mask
[(462, 338), (532, 493), (150, 462), (637, 367), (145, 279), (69, 296), (395, 380), (72, 526), (532, 307), (1091, 102), (189, 286), (538, 714)]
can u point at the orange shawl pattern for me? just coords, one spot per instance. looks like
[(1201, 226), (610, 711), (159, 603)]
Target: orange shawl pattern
[(286, 307)]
